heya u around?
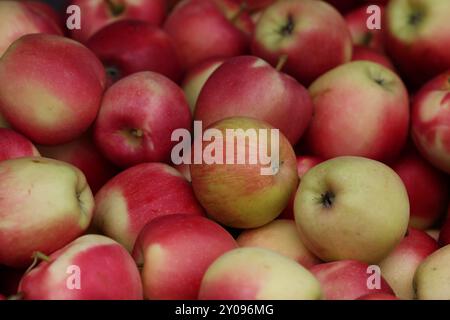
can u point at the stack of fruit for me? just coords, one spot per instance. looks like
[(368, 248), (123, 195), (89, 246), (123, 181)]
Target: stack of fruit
[(101, 196)]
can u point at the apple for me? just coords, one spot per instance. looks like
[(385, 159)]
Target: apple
[(360, 109), (430, 121), (196, 78), (351, 208), (362, 36), (44, 204), (174, 252), (60, 88), (367, 54), (258, 274), (248, 86), (83, 154), (399, 267), (18, 19), (14, 145), (147, 48), (312, 34), (98, 13), (347, 280), (378, 296), (280, 236), (126, 203), (431, 278), (418, 38), (3, 122), (427, 189), (444, 235), (204, 29), (239, 195), (137, 117), (47, 11), (106, 272)]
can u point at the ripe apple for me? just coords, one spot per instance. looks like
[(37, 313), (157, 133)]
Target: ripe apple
[(312, 34), (44, 204), (347, 280), (204, 29), (14, 145), (444, 235), (430, 121), (60, 88), (137, 117), (418, 38), (427, 189), (106, 272), (139, 194), (258, 274), (240, 195), (248, 86), (174, 252), (196, 78), (431, 281), (361, 109), (147, 48), (367, 54), (83, 154), (351, 208), (18, 19), (280, 236), (98, 13), (399, 267)]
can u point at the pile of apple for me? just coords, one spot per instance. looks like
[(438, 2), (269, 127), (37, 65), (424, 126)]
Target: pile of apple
[(93, 205)]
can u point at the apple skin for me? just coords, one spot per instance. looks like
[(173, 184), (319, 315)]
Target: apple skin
[(61, 89), (224, 190), (98, 13), (367, 54), (147, 48), (14, 145), (346, 280), (138, 195), (137, 117), (280, 236), (256, 5), (431, 278), (430, 121), (46, 11), (351, 208), (418, 38), (312, 34), (60, 194), (91, 253), (258, 274), (175, 251), (399, 267), (444, 235), (196, 78), (248, 86), (426, 186), (205, 29), (83, 154), (378, 296), (360, 109), (18, 19)]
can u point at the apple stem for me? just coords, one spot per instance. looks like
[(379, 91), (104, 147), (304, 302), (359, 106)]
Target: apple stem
[(237, 15), (116, 8), (38, 256), (281, 62)]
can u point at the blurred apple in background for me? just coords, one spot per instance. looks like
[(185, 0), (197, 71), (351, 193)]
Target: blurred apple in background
[(14, 145)]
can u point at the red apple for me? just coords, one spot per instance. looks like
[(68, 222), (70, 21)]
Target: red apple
[(83, 154), (378, 296), (427, 189), (60, 88), (430, 117), (139, 194), (444, 235), (347, 280), (248, 86), (418, 38), (98, 13), (312, 34), (137, 117), (147, 48), (14, 145), (174, 252), (47, 11), (399, 267), (106, 272), (361, 109), (204, 29), (367, 54)]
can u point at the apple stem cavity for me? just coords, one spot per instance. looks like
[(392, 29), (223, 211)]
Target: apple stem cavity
[(415, 18), (327, 199), (116, 8), (288, 28), (281, 62), (113, 73)]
